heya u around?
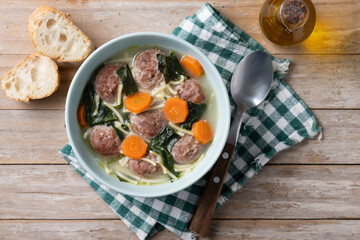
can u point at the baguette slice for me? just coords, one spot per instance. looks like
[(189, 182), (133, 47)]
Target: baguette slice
[(53, 34), (35, 77)]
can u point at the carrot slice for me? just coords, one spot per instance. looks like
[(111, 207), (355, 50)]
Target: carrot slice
[(134, 147), (176, 110), (202, 131), (192, 65), (81, 116), (138, 102)]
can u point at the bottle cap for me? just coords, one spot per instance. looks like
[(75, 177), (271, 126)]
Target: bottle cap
[(293, 14)]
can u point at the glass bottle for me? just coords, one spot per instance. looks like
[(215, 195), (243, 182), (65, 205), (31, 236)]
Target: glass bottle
[(287, 22)]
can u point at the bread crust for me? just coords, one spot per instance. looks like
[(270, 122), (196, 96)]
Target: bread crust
[(38, 14), (14, 69)]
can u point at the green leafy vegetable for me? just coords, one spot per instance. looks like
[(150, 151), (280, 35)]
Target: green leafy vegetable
[(166, 158), (121, 179), (163, 144), (126, 128), (166, 138), (89, 101), (195, 113), (119, 107), (126, 117), (170, 67), (103, 115), (127, 79)]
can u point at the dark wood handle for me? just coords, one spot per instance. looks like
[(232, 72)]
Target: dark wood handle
[(206, 206)]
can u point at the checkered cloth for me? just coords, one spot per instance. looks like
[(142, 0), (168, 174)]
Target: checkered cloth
[(276, 124)]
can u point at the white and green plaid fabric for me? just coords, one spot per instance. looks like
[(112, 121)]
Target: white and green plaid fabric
[(279, 122)]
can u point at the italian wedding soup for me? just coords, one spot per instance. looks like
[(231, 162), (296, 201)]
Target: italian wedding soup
[(148, 114)]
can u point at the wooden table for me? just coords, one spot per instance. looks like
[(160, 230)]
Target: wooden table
[(311, 191)]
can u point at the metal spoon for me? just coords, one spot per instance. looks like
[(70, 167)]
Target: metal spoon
[(250, 84)]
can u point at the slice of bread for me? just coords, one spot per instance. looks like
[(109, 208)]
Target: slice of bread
[(35, 77), (53, 34)]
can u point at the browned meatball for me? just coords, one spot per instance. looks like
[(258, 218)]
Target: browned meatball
[(107, 82), (144, 168), (105, 140), (146, 71), (186, 149), (148, 124), (191, 91)]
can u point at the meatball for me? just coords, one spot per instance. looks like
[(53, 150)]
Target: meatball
[(144, 168), (105, 140), (145, 69), (191, 91), (107, 82), (148, 124), (186, 149)]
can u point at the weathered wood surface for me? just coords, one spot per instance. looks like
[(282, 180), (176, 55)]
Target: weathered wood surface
[(32, 136), (336, 30), (20, 145), (285, 192), (310, 191), (220, 229)]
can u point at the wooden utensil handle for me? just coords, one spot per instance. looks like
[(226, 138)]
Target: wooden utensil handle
[(206, 206)]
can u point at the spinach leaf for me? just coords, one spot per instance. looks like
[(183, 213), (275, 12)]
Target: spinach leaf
[(170, 67), (89, 101), (104, 114), (161, 63), (166, 138), (121, 179), (195, 113), (126, 117), (163, 144), (127, 79), (166, 158), (125, 127)]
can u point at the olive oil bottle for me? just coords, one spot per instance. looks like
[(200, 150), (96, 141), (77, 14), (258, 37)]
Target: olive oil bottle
[(287, 22)]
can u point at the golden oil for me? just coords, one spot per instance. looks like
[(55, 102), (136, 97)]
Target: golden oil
[(287, 22)]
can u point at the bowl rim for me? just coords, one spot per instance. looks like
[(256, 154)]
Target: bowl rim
[(225, 106)]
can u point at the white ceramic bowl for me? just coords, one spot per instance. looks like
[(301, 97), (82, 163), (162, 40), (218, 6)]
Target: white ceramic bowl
[(82, 77)]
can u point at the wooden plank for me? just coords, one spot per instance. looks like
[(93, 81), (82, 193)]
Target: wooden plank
[(293, 192), (19, 144), (278, 229), (322, 81), (32, 136), (220, 229), (325, 81), (104, 20), (69, 229), (48, 192), (285, 192)]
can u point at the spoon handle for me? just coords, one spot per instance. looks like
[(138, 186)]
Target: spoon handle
[(206, 205), (207, 202)]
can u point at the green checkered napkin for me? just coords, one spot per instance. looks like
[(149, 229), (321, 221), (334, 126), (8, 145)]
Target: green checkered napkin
[(279, 122)]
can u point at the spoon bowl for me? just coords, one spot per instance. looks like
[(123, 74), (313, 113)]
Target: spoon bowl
[(252, 78)]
